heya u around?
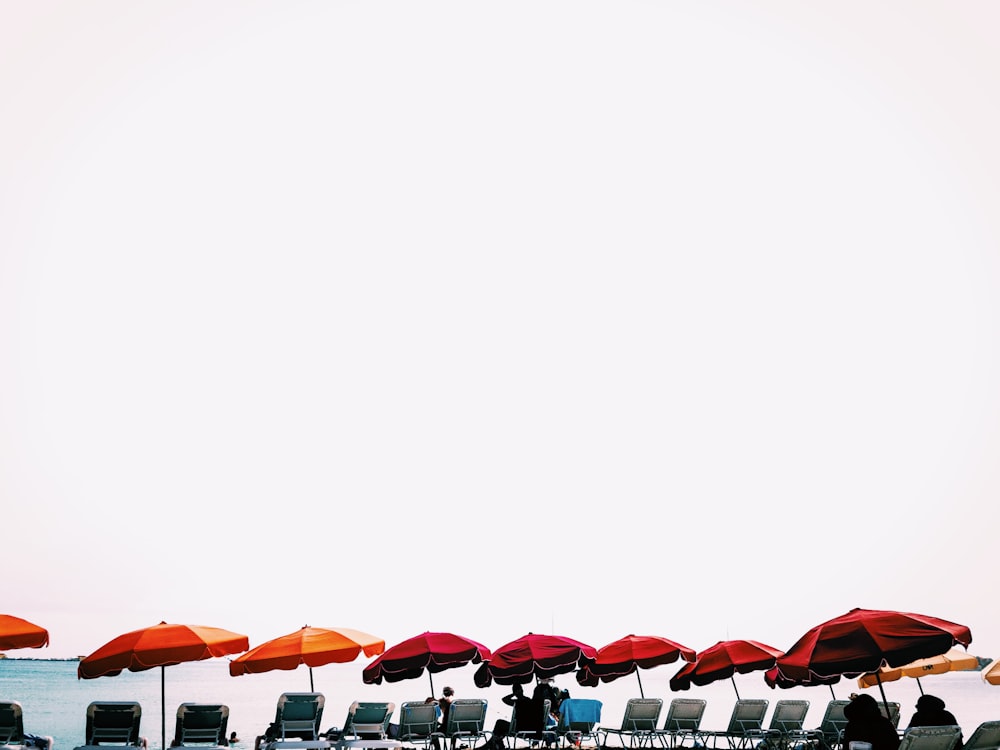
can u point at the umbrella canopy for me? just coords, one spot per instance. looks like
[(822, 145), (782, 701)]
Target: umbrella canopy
[(953, 660), (774, 679), (991, 673), (18, 633), (863, 640), (532, 655), (161, 646), (433, 652), (722, 661), (313, 647), (630, 654)]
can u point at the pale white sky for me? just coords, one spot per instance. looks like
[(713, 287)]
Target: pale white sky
[(603, 317)]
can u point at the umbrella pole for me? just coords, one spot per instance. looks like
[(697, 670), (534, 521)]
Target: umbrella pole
[(920, 686), (432, 683), (833, 695), (163, 709), (881, 689), (311, 689), (733, 680), (641, 694)]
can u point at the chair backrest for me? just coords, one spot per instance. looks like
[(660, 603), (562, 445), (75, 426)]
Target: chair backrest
[(986, 737), (466, 715), (369, 719), (417, 720), (11, 723), (789, 715), (684, 715), (641, 714), (834, 721), (579, 714), (201, 724), (113, 723), (893, 712), (299, 715), (748, 716), (524, 724), (931, 738)]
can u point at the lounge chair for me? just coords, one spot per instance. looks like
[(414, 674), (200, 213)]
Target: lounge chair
[(417, 723), (113, 723), (579, 722), (296, 723), (683, 722), (931, 738), (746, 720), (12, 736), (466, 722), (639, 722), (368, 720), (892, 713), (531, 729), (828, 734), (201, 725), (985, 737), (787, 718)]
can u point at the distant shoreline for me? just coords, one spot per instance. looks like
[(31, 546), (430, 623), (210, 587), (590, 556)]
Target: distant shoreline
[(39, 658)]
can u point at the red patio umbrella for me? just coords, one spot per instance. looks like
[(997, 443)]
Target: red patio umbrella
[(630, 654), (722, 661), (313, 647), (863, 640), (434, 652), (774, 679), (536, 656), (18, 633), (161, 646)]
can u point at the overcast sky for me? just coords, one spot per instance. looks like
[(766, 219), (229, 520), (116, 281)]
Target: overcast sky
[(599, 318)]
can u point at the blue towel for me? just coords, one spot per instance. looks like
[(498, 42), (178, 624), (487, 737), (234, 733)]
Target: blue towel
[(579, 711)]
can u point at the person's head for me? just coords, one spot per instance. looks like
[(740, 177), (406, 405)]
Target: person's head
[(518, 689), (448, 692), (930, 703), (862, 707)]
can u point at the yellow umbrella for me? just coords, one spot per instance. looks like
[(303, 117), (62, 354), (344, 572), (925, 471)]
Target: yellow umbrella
[(954, 660), (991, 673)]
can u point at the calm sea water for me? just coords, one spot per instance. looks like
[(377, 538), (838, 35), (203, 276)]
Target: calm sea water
[(55, 701)]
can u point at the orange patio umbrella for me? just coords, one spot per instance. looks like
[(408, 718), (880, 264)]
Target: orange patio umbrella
[(161, 646), (18, 633), (954, 660), (313, 647), (991, 673)]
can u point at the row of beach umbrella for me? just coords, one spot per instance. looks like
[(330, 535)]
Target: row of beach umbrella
[(861, 643)]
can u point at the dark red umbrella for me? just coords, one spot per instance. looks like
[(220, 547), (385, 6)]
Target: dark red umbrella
[(630, 654), (536, 656), (863, 640), (774, 679), (434, 652), (722, 661)]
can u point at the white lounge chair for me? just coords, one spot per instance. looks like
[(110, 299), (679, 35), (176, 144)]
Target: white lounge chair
[(12, 736), (930, 738), (639, 723), (113, 723), (201, 725)]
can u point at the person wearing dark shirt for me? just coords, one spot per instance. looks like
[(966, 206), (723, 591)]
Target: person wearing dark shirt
[(931, 712), (865, 723)]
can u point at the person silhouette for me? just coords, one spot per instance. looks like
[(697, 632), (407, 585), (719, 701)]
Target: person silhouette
[(865, 723), (931, 712)]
